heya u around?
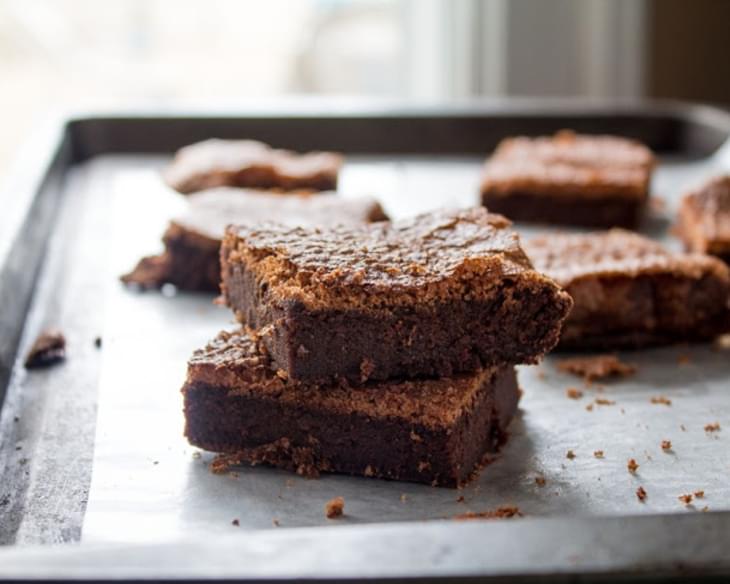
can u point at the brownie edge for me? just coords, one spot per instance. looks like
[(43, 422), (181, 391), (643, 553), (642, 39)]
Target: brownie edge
[(429, 431), (435, 295)]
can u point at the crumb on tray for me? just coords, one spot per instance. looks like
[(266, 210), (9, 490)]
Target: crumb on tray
[(641, 494), (502, 512), (666, 445), (334, 508), (574, 393), (632, 465), (570, 455), (713, 427), (686, 498), (660, 399), (598, 453), (596, 367)]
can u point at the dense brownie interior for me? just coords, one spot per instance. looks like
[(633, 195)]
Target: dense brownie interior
[(437, 294), (433, 431), (629, 291), (250, 164)]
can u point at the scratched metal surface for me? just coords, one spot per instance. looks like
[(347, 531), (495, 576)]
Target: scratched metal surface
[(144, 472)]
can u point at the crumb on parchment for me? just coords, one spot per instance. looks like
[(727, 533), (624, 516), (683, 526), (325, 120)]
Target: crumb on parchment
[(596, 367), (502, 512)]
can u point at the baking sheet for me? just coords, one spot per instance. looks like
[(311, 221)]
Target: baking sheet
[(149, 485)]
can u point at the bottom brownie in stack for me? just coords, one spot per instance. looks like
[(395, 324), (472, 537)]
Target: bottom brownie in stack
[(431, 431)]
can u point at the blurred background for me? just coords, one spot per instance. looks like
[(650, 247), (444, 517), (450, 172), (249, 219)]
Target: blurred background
[(105, 54)]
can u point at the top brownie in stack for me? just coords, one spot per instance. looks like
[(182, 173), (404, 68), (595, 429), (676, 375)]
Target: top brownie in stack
[(628, 291), (250, 164), (569, 179), (433, 295), (191, 260), (704, 219)]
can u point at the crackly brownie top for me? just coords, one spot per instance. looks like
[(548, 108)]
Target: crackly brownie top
[(615, 253), (210, 212), (233, 360), (567, 161), (710, 207), (444, 255), (219, 162)]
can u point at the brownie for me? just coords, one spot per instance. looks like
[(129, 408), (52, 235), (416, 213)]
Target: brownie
[(192, 242), (433, 295), (569, 179), (629, 291), (434, 431), (704, 219), (250, 164)]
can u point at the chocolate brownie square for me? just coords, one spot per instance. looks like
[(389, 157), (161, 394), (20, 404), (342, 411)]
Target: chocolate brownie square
[(434, 431), (191, 260), (434, 295), (704, 219), (569, 179), (250, 164), (629, 291)]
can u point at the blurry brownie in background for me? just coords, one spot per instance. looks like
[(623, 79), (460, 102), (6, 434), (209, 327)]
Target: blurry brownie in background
[(569, 179), (191, 260), (703, 223), (250, 164), (433, 431), (629, 291), (433, 295)]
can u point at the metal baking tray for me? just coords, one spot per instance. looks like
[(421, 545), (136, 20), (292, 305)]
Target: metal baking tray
[(97, 482)]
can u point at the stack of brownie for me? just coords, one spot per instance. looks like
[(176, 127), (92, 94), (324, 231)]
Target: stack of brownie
[(381, 350)]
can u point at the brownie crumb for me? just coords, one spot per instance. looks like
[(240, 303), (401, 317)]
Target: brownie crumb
[(598, 453), (705, 509), (714, 427), (686, 498), (632, 465), (641, 494), (605, 402), (334, 508), (48, 349), (570, 455), (574, 393), (589, 408), (540, 481), (699, 494), (236, 523), (666, 445), (596, 367), (503, 512), (660, 399), (460, 499)]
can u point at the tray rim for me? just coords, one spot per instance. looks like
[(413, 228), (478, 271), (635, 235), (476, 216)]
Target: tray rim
[(63, 562)]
